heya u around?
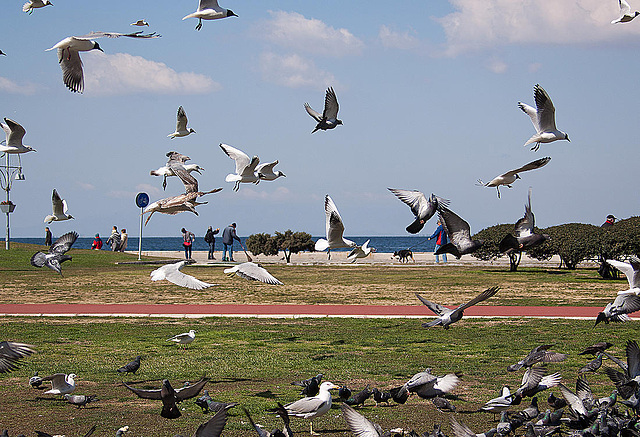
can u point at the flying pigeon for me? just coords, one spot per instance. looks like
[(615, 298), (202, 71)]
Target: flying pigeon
[(543, 118), (59, 209), (617, 310), (427, 385), (170, 396), (448, 316), (209, 10), (363, 427), (539, 354), (510, 177), (56, 255), (254, 272), (181, 125), (172, 273), (459, 232), (525, 237), (329, 117), (11, 353), (421, 207)]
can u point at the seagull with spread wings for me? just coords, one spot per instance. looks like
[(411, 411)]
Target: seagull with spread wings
[(625, 13), (525, 235), (265, 171), (254, 272), (170, 396), (56, 255), (172, 273), (245, 167), (61, 383), (209, 10), (329, 117), (447, 316), (30, 5), (631, 270), (59, 209), (543, 117), (181, 125), (361, 251), (459, 232), (69, 54), (14, 134), (334, 230), (510, 177), (421, 207)]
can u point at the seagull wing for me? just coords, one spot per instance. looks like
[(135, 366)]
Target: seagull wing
[(181, 120), (145, 394), (531, 112), (334, 225), (6, 129), (250, 169), (525, 225), (189, 181), (183, 280), (266, 168), (208, 4), (629, 271), (190, 391), (71, 66), (530, 166), (242, 159), (358, 424), (16, 132), (140, 34), (479, 298), (64, 243), (57, 380), (214, 426), (625, 9), (545, 109), (253, 271), (305, 406), (330, 105), (315, 114), (56, 203), (436, 308)]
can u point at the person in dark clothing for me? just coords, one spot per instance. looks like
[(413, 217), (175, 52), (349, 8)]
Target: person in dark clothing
[(114, 239), (441, 239), (609, 222), (188, 238), (47, 236), (210, 239), (228, 235), (605, 269)]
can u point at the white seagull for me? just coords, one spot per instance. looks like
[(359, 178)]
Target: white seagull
[(421, 207), (13, 144), (61, 384), (631, 270), (140, 23), (166, 172), (334, 230), (172, 273), (59, 209), (209, 10), (510, 177), (69, 54), (245, 167), (360, 251), (265, 171), (329, 117), (35, 4), (181, 125), (543, 118), (253, 272), (625, 13), (184, 338), (313, 406)]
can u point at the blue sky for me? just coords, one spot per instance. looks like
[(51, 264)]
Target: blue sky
[(428, 94)]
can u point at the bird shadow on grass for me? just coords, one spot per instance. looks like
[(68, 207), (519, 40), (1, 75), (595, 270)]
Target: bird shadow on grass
[(267, 394)]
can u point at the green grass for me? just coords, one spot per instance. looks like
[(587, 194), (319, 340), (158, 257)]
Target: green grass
[(252, 361)]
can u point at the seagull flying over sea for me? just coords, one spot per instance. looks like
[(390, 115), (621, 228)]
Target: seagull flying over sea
[(334, 230), (448, 316), (421, 207), (13, 144), (209, 10), (329, 117), (245, 167), (459, 232), (56, 255), (253, 272), (140, 23), (543, 118), (170, 396), (61, 384), (631, 270), (30, 5), (360, 251), (625, 13), (172, 273), (265, 171), (184, 338), (181, 125), (11, 353), (525, 237), (69, 54), (59, 209), (510, 177)]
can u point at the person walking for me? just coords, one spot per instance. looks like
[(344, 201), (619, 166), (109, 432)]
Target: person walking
[(228, 235), (124, 238), (188, 238), (210, 239), (441, 239), (47, 236), (114, 239), (97, 243)]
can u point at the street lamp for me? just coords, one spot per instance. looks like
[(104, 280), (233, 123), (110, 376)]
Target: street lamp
[(8, 173)]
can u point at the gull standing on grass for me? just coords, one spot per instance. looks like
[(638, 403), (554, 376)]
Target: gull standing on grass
[(543, 118), (69, 54), (329, 117), (334, 230), (56, 255), (448, 316), (184, 338), (209, 10), (510, 177), (172, 273), (30, 5), (421, 207), (245, 167), (59, 209), (254, 272), (181, 125), (625, 13), (14, 134)]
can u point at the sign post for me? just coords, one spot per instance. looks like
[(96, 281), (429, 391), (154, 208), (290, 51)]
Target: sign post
[(142, 200)]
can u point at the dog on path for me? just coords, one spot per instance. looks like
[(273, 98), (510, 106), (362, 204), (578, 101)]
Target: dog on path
[(404, 255)]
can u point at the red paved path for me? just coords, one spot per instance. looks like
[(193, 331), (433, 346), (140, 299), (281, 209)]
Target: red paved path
[(288, 310)]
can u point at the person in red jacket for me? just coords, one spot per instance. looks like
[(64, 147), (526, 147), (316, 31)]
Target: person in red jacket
[(97, 243), (441, 239)]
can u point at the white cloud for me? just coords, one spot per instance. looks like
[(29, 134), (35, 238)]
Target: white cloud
[(397, 40), (122, 73), (86, 186), (309, 35), (479, 25), (497, 66), (11, 87), (294, 71)]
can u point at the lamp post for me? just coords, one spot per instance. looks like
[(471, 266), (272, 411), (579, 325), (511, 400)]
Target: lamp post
[(9, 173)]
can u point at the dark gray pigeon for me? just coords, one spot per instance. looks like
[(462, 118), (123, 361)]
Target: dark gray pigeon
[(11, 353), (525, 236), (329, 117), (421, 207), (169, 396), (539, 354), (448, 316), (459, 232), (56, 255), (207, 403), (35, 381), (360, 398), (311, 386), (596, 348), (131, 367), (380, 396), (443, 405)]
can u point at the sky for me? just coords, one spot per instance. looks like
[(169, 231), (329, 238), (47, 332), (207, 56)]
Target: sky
[(428, 94)]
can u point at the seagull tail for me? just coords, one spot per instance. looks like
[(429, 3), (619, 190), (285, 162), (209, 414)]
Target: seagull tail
[(321, 245), (232, 177)]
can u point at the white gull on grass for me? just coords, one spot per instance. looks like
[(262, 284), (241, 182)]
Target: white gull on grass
[(312, 406), (184, 338)]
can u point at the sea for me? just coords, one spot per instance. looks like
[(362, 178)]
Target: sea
[(382, 244)]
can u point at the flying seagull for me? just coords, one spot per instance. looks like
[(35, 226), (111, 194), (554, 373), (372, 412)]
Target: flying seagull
[(525, 237), (421, 207), (510, 177), (329, 117), (59, 209), (265, 171), (184, 338), (131, 366), (177, 204), (61, 384), (254, 272), (30, 5), (459, 232), (631, 270), (360, 251), (166, 172), (181, 125), (140, 23), (617, 310), (14, 134), (334, 230), (543, 118), (172, 273), (2, 53), (245, 167), (56, 255), (11, 353), (69, 54), (625, 13), (209, 10), (448, 316), (170, 396)]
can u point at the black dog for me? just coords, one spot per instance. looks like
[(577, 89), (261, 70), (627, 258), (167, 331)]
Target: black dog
[(404, 255)]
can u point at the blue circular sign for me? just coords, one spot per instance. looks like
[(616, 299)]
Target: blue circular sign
[(142, 200)]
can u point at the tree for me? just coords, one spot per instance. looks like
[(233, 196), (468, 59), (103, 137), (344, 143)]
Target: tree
[(573, 242), (618, 242), (289, 242)]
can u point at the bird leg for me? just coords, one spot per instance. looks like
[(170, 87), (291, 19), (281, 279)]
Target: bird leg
[(498, 188), (311, 429), (199, 26), (328, 253), (536, 147), (236, 187)]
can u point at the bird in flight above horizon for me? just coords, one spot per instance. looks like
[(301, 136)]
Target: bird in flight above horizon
[(510, 177), (543, 117), (329, 118), (625, 13), (209, 10)]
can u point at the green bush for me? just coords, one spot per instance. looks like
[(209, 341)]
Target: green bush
[(289, 242), (573, 242)]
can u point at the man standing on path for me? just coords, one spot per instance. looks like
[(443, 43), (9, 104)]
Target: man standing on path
[(441, 240), (47, 236), (210, 239), (228, 235)]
